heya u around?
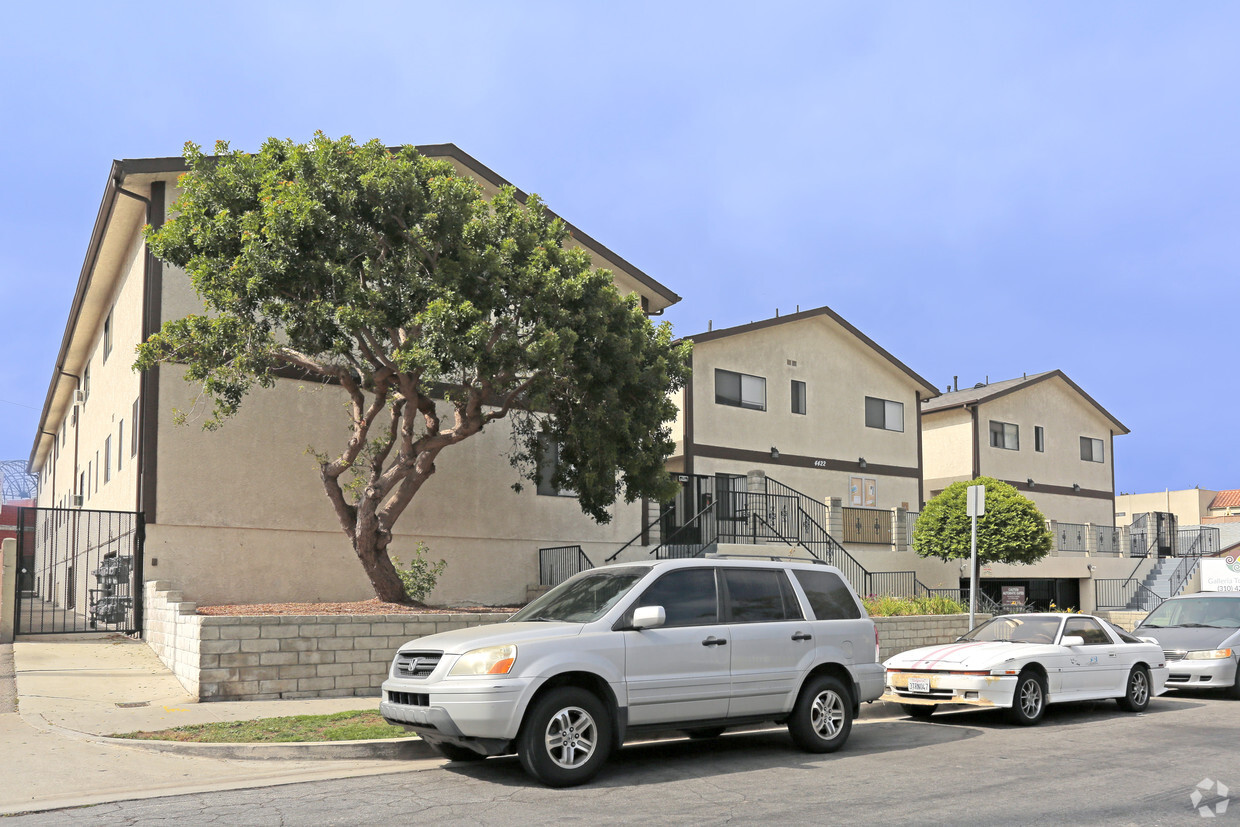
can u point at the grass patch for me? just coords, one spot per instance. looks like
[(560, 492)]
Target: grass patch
[(358, 725), (901, 606)]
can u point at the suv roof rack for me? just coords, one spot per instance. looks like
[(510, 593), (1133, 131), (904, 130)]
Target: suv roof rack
[(774, 557)]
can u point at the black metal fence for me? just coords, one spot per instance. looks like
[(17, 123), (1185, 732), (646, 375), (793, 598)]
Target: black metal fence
[(1071, 537), (1200, 541), (1117, 594), (80, 571), (557, 564)]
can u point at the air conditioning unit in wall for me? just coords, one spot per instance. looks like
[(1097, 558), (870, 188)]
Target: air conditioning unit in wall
[(79, 397), (77, 500)]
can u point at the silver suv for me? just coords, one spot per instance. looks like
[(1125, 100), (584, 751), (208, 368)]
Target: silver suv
[(698, 645)]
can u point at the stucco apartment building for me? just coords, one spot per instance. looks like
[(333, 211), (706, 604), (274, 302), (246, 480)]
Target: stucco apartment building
[(1040, 433), (238, 515)]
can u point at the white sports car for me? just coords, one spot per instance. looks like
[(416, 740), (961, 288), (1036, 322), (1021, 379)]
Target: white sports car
[(1023, 662)]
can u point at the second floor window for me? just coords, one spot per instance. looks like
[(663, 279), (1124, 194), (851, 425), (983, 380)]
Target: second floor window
[(740, 390), (107, 336), (1004, 435), (548, 464), (1091, 449), (883, 413), (1039, 438), (798, 397)]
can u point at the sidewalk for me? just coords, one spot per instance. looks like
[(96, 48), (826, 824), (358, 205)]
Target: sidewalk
[(74, 691)]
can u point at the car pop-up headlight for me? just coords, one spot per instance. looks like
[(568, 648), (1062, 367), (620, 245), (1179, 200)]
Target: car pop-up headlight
[(492, 660), (1208, 654)]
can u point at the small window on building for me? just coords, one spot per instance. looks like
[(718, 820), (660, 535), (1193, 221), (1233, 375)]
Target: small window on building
[(798, 397), (883, 413), (133, 431), (97, 464), (740, 390), (1039, 438), (90, 475), (1004, 435), (86, 384), (107, 336), (120, 441), (1091, 449), (81, 492), (107, 460), (548, 465)]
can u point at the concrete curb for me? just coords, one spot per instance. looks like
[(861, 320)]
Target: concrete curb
[(377, 749)]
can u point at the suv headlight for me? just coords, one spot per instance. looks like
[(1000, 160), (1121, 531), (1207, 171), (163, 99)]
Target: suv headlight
[(1208, 654), (493, 660)]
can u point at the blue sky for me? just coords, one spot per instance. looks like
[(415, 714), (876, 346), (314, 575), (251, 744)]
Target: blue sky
[(985, 189)]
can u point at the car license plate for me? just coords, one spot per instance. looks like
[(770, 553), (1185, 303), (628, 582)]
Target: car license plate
[(918, 684)]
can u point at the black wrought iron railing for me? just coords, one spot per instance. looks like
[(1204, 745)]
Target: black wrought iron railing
[(558, 563), (1108, 539), (1199, 541), (663, 514)]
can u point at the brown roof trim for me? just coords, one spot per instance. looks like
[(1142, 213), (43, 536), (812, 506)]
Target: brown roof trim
[(946, 402), (799, 461), (723, 333), (102, 219)]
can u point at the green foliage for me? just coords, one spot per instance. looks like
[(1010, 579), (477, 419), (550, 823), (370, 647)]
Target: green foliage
[(421, 576), (437, 309), (362, 724), (1012, 530), (888, 606)]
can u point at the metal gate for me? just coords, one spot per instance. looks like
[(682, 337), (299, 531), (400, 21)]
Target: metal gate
[(80, 571)]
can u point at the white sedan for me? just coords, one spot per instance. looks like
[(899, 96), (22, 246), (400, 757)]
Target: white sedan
[(1023, 662)]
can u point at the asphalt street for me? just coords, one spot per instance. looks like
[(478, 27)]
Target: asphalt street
[(1085, 764)]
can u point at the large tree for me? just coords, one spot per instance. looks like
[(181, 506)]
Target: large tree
[(436, 310), (1013, 530)]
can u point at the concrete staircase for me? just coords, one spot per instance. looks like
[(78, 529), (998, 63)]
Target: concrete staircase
[(1157, 586)]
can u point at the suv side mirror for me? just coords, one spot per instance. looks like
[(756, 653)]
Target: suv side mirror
[(1072, 640), (649, 617)]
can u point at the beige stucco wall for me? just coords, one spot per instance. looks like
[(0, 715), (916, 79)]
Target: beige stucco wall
[(1188, 506), (839, 371), (947, 446)]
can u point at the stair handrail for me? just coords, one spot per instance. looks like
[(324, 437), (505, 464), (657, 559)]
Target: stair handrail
[(788, 542), (662, 513), (663, 542)]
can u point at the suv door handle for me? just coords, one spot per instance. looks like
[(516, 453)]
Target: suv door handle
[(714, 641), (802, 636)]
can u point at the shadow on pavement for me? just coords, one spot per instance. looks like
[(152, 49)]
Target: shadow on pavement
[(1058, 715), (644, 763)]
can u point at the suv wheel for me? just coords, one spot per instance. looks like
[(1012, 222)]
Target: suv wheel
[(822, 717), (1137, 696), (1029, 700), (565, 737)]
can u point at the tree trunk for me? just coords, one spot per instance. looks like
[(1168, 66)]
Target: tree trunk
[(383, 577)]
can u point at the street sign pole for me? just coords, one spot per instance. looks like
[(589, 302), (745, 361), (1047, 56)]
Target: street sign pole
[(975, 506)]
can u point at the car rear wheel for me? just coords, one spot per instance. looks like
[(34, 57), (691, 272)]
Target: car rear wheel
[(922, 711), (1029, 700), (457, 753), (1137, 696), (822, 717), (566, 737)]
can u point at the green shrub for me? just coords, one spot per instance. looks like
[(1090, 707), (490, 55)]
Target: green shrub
[(420, 578), (888, 606)]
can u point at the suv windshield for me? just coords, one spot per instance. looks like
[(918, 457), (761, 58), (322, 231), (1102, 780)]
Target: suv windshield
[(1216, 612), (1017, 629), (584, 598)]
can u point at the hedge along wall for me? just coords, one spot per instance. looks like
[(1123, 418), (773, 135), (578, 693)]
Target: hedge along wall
[(247, 658)]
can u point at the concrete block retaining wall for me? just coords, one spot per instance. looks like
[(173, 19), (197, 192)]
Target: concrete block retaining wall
[(238, 657)]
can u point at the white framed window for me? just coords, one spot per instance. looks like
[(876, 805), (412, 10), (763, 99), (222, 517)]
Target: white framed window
[(740, 390), (883, 413), (120, 442), (798, 396), (133, 431), (1004, 435), (107, 336), (1091, 449), (107, 460), (1039, 439)]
